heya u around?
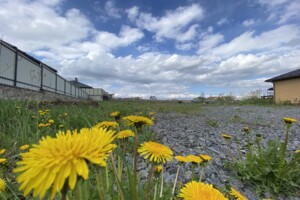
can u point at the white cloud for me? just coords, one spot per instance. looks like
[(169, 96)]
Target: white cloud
[(132, 13), (291, 12), (184, 47), (223, 21), (180, 29), (111, 10), (272, 3), (210, 41), (39, 26), (269, 40), (282, 10), (248, 22), (126, 37)]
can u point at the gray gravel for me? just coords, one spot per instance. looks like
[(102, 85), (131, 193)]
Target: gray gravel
[(200, 133)]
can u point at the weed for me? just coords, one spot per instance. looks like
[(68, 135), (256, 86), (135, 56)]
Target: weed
[(270, 169)]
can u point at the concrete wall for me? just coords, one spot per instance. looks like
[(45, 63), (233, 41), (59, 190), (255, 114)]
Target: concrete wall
[(287, 90), (10, 92)]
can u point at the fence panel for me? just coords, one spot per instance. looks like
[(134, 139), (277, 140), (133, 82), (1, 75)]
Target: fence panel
[(60, 85), (73, 91), (7, 65), (49, 80), (31, 74), (68, 89), (28, 74)]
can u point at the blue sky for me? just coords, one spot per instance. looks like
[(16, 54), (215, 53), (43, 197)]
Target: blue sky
[(166, 48)]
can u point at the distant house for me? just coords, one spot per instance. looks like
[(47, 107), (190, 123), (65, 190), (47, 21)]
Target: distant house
[(96, 94), (286, 87)]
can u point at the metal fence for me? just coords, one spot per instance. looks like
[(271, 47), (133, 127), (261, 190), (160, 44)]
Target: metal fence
[(19, 69)]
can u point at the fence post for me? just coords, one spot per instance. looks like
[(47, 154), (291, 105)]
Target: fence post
[(42, 75), (55, 83), (65, 86), (16, 67)]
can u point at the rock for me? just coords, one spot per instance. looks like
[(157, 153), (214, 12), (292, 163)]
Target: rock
[(187, 134)]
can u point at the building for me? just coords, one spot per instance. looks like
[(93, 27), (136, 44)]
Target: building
[(286, 87), (96, 94)]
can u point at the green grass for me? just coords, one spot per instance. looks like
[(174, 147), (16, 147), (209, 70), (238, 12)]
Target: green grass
[(20, 120), (19, 125)]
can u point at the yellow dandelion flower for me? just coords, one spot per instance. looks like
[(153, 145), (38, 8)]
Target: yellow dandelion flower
[(2, 151), (51, 121), (152, 113), (107, 124), (181, 159), (289, 120), (48, 124), (115, 114), (64, 158), (237, 195), (47, 110), (205, 157), (198, 190), (138, 121), (155, 152), (226, 136), (61, 126), (125, 134), (41, 125), (297, 151), (23, 147), (42, 113), (194, 159), (2, 160), (2, 185), (158, 169), (247, 129)]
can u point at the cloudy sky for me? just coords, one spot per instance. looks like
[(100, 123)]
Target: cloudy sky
[(166, 48)]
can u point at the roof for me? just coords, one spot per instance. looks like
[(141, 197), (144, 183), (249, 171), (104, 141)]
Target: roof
[(26, 55), (286, 76), (76, 83)]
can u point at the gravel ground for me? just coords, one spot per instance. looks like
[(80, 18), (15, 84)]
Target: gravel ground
[(200, 133)]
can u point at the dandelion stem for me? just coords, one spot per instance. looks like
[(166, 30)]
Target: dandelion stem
[(155, 189), (175, 181), (149, 181), (135, 195), (107, 178), (162, 182), (285, 142), (120, 165), (249, 143), (116, 175), (100, 184), (201, 173), (193, 172)]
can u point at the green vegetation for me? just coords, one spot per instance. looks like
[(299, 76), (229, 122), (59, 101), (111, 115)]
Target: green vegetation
[(271, 170), (27, 122)]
